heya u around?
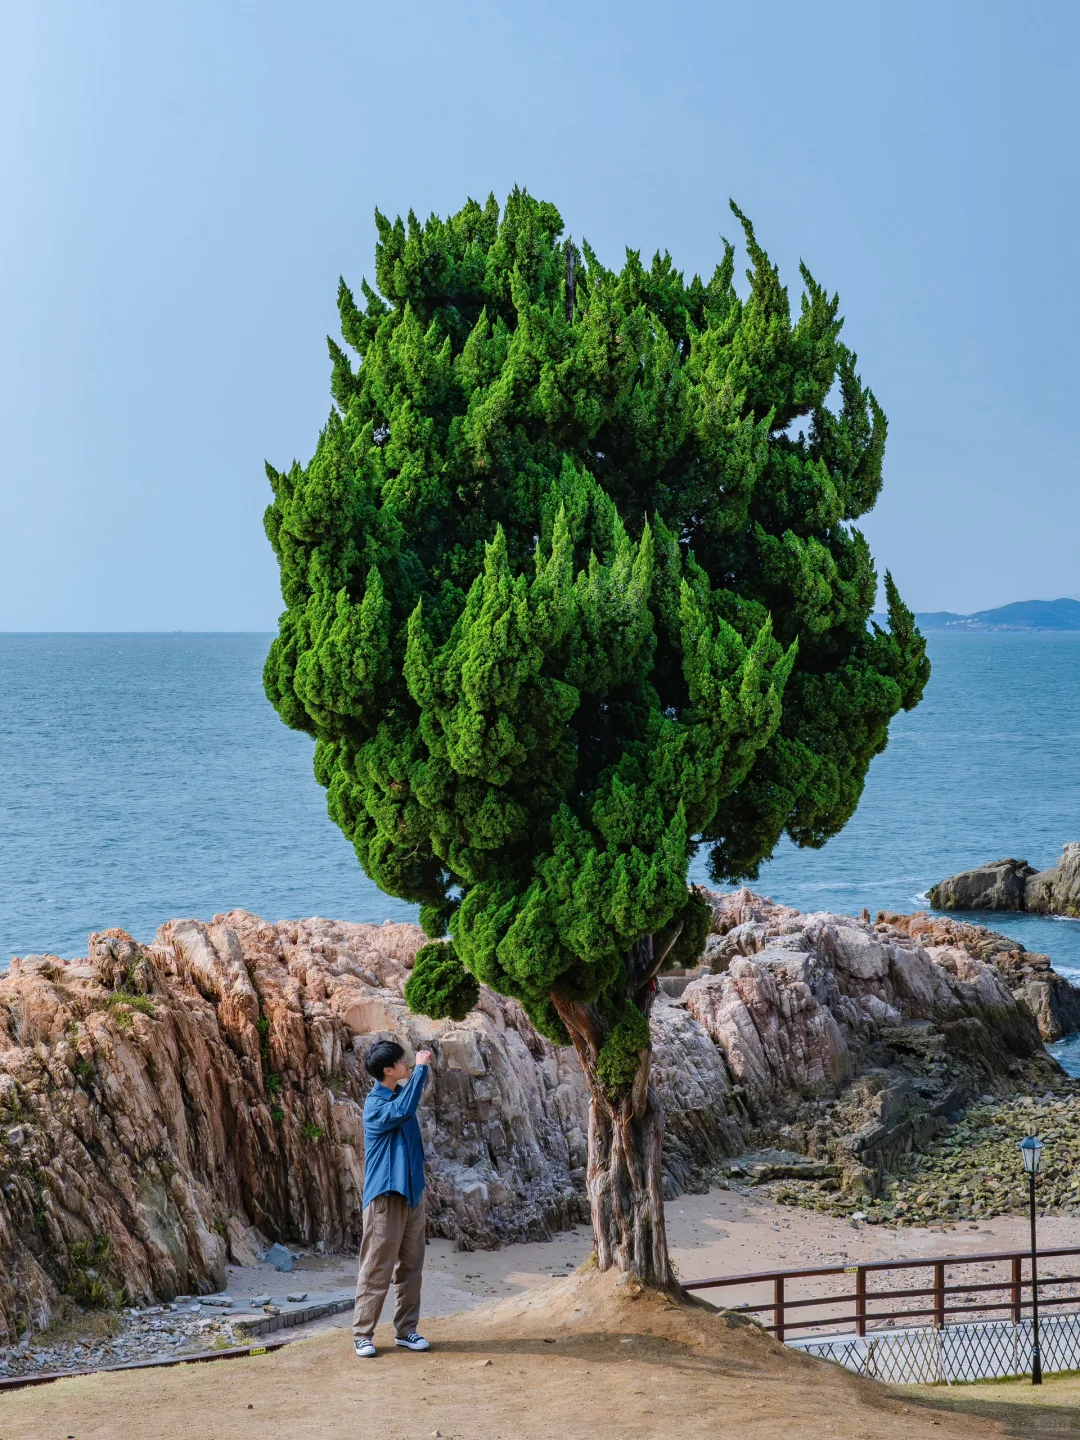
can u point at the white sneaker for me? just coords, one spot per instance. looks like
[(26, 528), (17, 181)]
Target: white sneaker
[(412, 1341), (364, 1347)]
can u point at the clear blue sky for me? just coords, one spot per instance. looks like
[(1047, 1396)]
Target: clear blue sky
[(182, 184)]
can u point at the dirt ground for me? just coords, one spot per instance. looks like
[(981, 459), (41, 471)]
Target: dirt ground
[(575, 1359)]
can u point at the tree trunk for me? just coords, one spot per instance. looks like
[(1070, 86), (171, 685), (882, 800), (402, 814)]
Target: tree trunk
[(626, 1130)]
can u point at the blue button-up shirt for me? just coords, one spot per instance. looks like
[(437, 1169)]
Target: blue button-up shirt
[(393, 1150)]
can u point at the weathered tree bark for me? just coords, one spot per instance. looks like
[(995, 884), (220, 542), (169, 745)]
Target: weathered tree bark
[(626, 1131)]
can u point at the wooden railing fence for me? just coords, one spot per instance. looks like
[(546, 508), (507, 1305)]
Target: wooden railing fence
[(939, 1295)]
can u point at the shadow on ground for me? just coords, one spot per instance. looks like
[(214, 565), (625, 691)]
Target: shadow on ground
[(1019, 1408)]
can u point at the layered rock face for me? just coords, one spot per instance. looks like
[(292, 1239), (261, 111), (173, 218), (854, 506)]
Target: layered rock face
[(164, 1108), (167, 1107), (1015, 885), (850, 1041), (1053, 1000)]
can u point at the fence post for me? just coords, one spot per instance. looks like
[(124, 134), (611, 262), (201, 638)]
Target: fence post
[(778, 1307), (860, 1300), (1017, 1293), (939, 1295)]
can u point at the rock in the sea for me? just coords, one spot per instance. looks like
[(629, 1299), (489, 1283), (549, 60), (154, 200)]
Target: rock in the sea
[(1056, 891), (1000, 885), (1015, 885)]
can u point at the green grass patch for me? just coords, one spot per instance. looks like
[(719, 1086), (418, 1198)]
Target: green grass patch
[(121, 1005), (312, 1132), (87, 1279)]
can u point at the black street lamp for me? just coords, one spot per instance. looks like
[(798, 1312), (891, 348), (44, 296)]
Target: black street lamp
[(1031, 1149)]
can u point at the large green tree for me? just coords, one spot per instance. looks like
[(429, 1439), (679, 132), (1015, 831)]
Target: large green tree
[(569, 595)]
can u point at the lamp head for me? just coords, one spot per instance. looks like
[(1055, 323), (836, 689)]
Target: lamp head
[(1031, 1149)]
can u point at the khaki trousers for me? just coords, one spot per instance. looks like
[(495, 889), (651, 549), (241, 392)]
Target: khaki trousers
[(392, 1247)]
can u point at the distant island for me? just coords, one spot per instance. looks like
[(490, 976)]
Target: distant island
[(1021, 615)]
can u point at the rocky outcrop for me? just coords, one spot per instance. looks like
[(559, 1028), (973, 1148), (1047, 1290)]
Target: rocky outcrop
[(1015, 885), (1053, 1000), (167, 1107), (852, 1042), (1056, 891), (170, 1106), (1000, 885)]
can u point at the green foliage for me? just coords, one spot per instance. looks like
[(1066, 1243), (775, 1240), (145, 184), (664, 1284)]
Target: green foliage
[(273, 1084), (311, 1131), (618, 1060), (694, 924), (277, 1114), (121, 1003), (433, 920), (570, 593), (87, 1280), (439, 984)]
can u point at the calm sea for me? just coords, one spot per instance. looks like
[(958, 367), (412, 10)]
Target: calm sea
[(145, 776)]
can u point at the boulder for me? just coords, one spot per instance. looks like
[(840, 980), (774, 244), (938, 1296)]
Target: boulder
[(1000, 885), (1015, 885), (1056, 891)]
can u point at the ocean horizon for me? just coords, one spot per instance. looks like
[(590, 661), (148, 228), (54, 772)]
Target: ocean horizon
[(144, 776)]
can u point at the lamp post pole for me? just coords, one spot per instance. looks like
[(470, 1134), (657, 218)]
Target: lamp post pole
[(1031, 1149), (1036, 1359)]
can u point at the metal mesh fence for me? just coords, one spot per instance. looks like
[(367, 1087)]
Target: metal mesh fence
[(983, 1350)]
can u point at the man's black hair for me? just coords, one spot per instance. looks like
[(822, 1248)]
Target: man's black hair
[(383, 1055)]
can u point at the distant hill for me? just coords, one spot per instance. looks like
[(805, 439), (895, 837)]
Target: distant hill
[(1033, 615), (1020, 615)]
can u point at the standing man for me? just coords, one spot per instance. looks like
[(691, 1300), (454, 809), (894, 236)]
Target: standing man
[(394, 1221)]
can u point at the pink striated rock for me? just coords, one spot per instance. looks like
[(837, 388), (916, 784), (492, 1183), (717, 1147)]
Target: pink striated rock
[(798, 996), (772, 1032), (230, 1113)]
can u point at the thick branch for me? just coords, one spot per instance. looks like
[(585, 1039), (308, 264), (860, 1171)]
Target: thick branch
[(583, 1025)]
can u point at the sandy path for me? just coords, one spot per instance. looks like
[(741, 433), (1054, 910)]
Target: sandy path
[(725, 1232)]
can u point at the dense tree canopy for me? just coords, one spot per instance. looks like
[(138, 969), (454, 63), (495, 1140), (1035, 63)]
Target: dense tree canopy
[(570, 593)]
